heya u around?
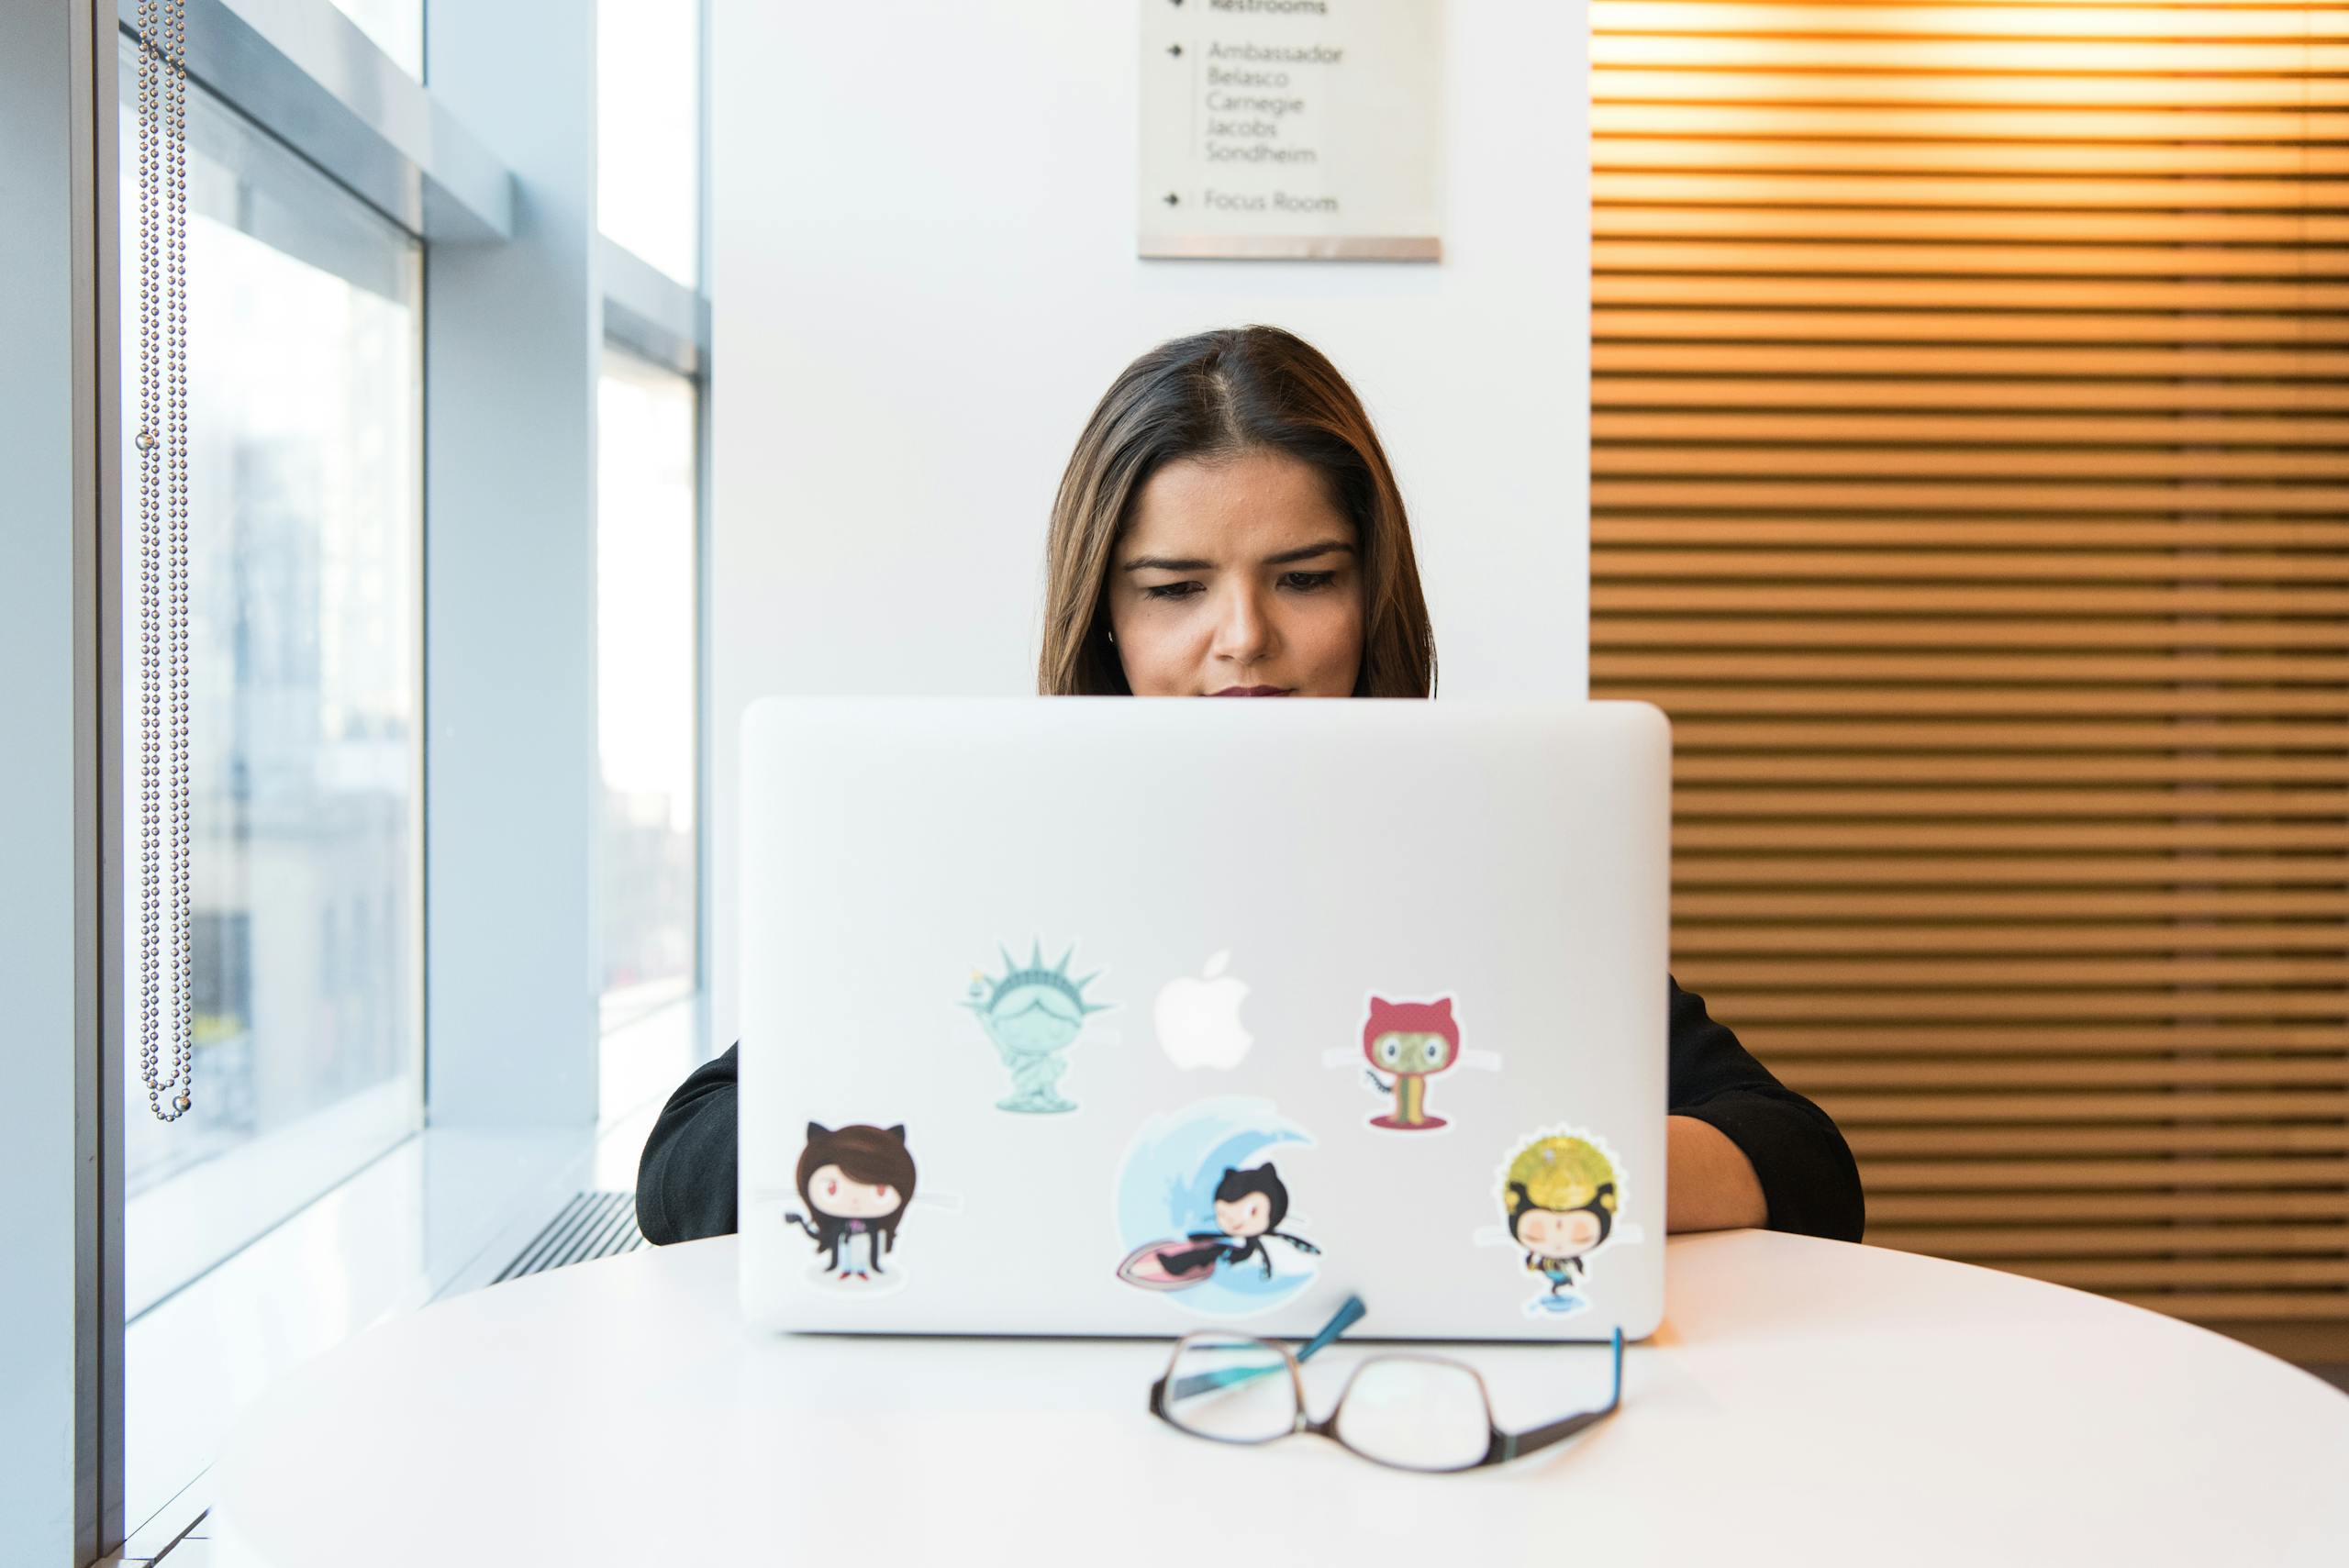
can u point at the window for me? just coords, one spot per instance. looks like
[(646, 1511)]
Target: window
[(648, 115), (303, 344), (646, 641)]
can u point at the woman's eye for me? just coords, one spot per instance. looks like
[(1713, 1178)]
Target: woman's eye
[(832, 1189), (880, 1192), (1172, 590), (1306, 582)]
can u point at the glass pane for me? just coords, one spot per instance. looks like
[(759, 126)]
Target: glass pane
[(396, 26), (1421, 1414), (647, 694), (648, 131), (304, 468), (1234, 1390)]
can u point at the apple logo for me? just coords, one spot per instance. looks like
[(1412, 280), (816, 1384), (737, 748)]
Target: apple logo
[(1198, 1020)]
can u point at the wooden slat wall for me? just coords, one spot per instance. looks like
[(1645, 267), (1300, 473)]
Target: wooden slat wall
[(1970, 435)]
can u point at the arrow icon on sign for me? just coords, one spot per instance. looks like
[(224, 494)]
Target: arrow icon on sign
[(1173, 200)]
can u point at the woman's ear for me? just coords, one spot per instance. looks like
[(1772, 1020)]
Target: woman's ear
[(898, 1132), (817, 1129)]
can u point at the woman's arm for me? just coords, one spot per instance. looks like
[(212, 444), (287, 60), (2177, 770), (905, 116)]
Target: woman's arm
[(1742, 1148), (1709, 1182), (685, 1183)]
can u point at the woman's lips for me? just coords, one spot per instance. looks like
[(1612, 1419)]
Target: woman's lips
[(1254, 692)]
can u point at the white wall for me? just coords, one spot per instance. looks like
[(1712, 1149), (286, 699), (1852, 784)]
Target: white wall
[(924, 273)]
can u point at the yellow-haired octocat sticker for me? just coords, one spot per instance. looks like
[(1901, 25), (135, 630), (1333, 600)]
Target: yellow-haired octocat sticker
[(1560, 1194)]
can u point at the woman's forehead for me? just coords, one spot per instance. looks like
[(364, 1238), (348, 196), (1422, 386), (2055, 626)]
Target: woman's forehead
[(1228, 509)]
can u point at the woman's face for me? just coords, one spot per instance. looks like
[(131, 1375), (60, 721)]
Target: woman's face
[(1237, 578)]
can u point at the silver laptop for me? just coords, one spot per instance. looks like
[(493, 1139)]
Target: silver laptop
[(1106, 1016)]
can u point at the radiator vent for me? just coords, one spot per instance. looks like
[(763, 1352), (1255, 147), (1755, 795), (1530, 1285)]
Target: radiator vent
[(591, 1226)]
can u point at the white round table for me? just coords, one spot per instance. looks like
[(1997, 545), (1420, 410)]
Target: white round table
[(1807, 1402)]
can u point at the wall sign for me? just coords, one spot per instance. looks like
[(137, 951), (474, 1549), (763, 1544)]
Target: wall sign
[(1290, 128)]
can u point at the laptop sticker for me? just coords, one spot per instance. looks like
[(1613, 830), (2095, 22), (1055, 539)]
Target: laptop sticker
[(1199, 1019), (855, 1183), (1562, 1194), (1207, 1217), (1404, 1044), (1033, 1015)]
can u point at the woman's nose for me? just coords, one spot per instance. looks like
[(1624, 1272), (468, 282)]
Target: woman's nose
[(1244, 632)]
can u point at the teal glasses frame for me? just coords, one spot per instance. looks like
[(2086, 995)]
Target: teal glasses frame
[(1499, 1449)]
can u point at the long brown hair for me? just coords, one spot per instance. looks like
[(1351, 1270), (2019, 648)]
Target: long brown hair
[(1219, 395)]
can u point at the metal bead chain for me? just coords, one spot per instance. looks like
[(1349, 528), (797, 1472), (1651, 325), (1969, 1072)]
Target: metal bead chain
[(162, 544)]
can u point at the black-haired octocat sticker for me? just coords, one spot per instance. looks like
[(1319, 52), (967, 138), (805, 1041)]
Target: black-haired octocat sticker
[(1249, 1208), (1201, 1204), (856, 1182)]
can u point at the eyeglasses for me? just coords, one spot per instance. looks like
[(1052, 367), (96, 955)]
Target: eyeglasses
[(1403, 1409)]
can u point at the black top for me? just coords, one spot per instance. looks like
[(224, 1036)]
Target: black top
[(684, 1188)]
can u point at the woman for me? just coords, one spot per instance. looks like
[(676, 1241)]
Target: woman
[(1229, 527)]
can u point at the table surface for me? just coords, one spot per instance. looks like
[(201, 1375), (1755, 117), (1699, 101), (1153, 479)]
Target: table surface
[(1806, 1401)]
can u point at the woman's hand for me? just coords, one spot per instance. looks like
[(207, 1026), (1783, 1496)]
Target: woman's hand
[(1708, 1183)]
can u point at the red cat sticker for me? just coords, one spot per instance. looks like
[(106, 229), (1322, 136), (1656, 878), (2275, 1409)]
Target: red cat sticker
[(1404, 1045)]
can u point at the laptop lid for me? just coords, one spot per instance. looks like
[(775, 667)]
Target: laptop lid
[(1120, 1016)]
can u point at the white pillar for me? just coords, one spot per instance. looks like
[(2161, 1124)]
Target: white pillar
[(512, 337)]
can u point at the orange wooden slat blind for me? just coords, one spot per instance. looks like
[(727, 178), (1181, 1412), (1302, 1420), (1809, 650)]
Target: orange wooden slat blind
[(1970, 445)]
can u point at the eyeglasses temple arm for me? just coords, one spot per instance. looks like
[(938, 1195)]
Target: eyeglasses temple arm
[(1514, 1444), (1198, 1383), (1347, 1317)]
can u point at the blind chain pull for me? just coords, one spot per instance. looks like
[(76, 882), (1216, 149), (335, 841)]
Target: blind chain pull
[(162, 545)]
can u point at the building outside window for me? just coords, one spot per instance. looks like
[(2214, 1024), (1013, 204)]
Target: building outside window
[(646, 568)]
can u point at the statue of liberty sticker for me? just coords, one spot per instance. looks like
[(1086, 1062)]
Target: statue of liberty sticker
[(1033, 1015)]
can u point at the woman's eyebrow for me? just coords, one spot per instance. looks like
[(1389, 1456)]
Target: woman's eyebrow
[(1308, 552), (1303, 552)]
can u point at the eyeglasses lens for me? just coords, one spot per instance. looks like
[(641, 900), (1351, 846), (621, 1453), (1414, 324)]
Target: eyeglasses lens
[(1235, 1390), (1421, 1415)]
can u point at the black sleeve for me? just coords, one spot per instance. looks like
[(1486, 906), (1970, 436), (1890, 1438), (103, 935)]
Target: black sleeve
[(685, 1184), (1807, 1175)]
